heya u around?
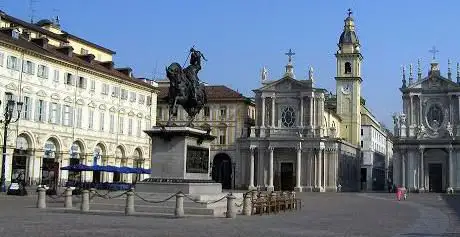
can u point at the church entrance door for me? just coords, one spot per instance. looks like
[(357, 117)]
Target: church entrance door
[(222, 170), (435, 177), (287, 176)]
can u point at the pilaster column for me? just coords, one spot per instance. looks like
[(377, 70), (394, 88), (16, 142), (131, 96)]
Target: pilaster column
[(273, 112), (403, 169), (325, 169), (270, 170), (451, 168), (420, 110), (421, 174), (411, 110), (251, 169), (298, 188), (263, 112), (301, 111), (311, 110), (320, 170), (314, 112)]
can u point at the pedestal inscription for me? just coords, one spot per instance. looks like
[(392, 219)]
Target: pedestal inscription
[(197, 160)]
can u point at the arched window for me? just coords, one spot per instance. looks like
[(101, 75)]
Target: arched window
[(347, 68)]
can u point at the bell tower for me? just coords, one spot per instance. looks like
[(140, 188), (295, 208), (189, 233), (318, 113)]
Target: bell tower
[(348, 82)]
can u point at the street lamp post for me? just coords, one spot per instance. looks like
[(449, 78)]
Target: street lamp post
[(8, 115)]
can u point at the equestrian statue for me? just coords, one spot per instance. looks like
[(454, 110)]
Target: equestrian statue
[(185, 88)]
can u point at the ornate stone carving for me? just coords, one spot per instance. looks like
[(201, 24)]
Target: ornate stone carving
[(449, 129)]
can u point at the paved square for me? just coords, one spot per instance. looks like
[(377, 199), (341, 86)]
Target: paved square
[(322, 214)]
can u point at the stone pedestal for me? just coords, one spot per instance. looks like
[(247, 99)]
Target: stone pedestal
[(180, 162)]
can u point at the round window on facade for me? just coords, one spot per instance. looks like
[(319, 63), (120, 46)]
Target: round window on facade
[(288, 117), (435, 116)]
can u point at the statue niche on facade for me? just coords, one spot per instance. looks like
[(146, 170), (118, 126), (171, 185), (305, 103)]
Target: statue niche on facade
[(185, 88)]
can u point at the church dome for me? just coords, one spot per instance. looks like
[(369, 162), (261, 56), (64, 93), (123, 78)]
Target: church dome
[(44, 22), (348, 37)]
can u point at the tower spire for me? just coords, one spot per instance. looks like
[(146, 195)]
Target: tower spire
[(458, 73), (419, 70), (449, 71), (410, 74), (403, 76)]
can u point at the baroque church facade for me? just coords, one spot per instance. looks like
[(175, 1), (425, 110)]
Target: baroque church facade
[(305, 138), (427, 147)]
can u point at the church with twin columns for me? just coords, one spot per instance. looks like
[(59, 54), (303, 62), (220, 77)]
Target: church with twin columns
[(427, 131), (306, 138)]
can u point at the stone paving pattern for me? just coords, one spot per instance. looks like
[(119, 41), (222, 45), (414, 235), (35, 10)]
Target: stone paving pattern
[(322, 214)]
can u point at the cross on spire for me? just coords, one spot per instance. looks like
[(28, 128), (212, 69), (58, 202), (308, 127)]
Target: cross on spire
[(290, 54), (349, 12), (434, 51)]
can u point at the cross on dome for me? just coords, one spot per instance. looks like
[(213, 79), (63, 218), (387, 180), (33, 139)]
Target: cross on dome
[(434, 51), (290, 54)]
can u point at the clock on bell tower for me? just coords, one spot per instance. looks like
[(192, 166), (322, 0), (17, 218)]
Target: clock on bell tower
[(348, 82)]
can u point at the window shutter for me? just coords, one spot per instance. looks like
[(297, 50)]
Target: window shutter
[(45, 104), (24, 67), (1, 59), (37, 110), (58, 114), (84, 83), (71, 116), (50, 113), (45, 72)]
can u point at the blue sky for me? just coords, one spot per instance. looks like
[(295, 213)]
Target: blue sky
[(240, 37)]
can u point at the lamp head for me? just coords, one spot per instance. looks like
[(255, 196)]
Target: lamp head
[(19, 104)]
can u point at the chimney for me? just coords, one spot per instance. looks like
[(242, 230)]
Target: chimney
[(42, 42), (67, 50), (126, 70), (87, 57), (25, 35), (107, 64)]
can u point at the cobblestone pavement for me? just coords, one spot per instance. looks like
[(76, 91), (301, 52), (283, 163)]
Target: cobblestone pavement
[(322, 214)]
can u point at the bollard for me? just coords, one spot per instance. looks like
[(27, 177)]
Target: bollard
[(179, 210), (92, 192), (41, 201), (129, 209), (247, 206), (231, 213), (68, 198), (84, 201)]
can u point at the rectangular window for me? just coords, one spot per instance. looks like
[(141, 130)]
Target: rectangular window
[(115, 91), (42, 71), (40, 111), (130, 127), (124, 94), (222, 136), (2, 56), (93, 85), (132, 96), (53, 113), (69, 79), (101, 121), (56, 76), (68, 116), (362, 144), (90, 118), (206, 112), (13, 63), (28, 67), (79, 117), (149, 100), (223, 112), (105, 89), (81, 82), (141, 99), (148, 124), (139, 127), (26, 108), (112, 123), (362, 132), (120, 125), (83, 51)]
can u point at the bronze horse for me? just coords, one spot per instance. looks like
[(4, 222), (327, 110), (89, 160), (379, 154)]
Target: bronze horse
[(186, 90)]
